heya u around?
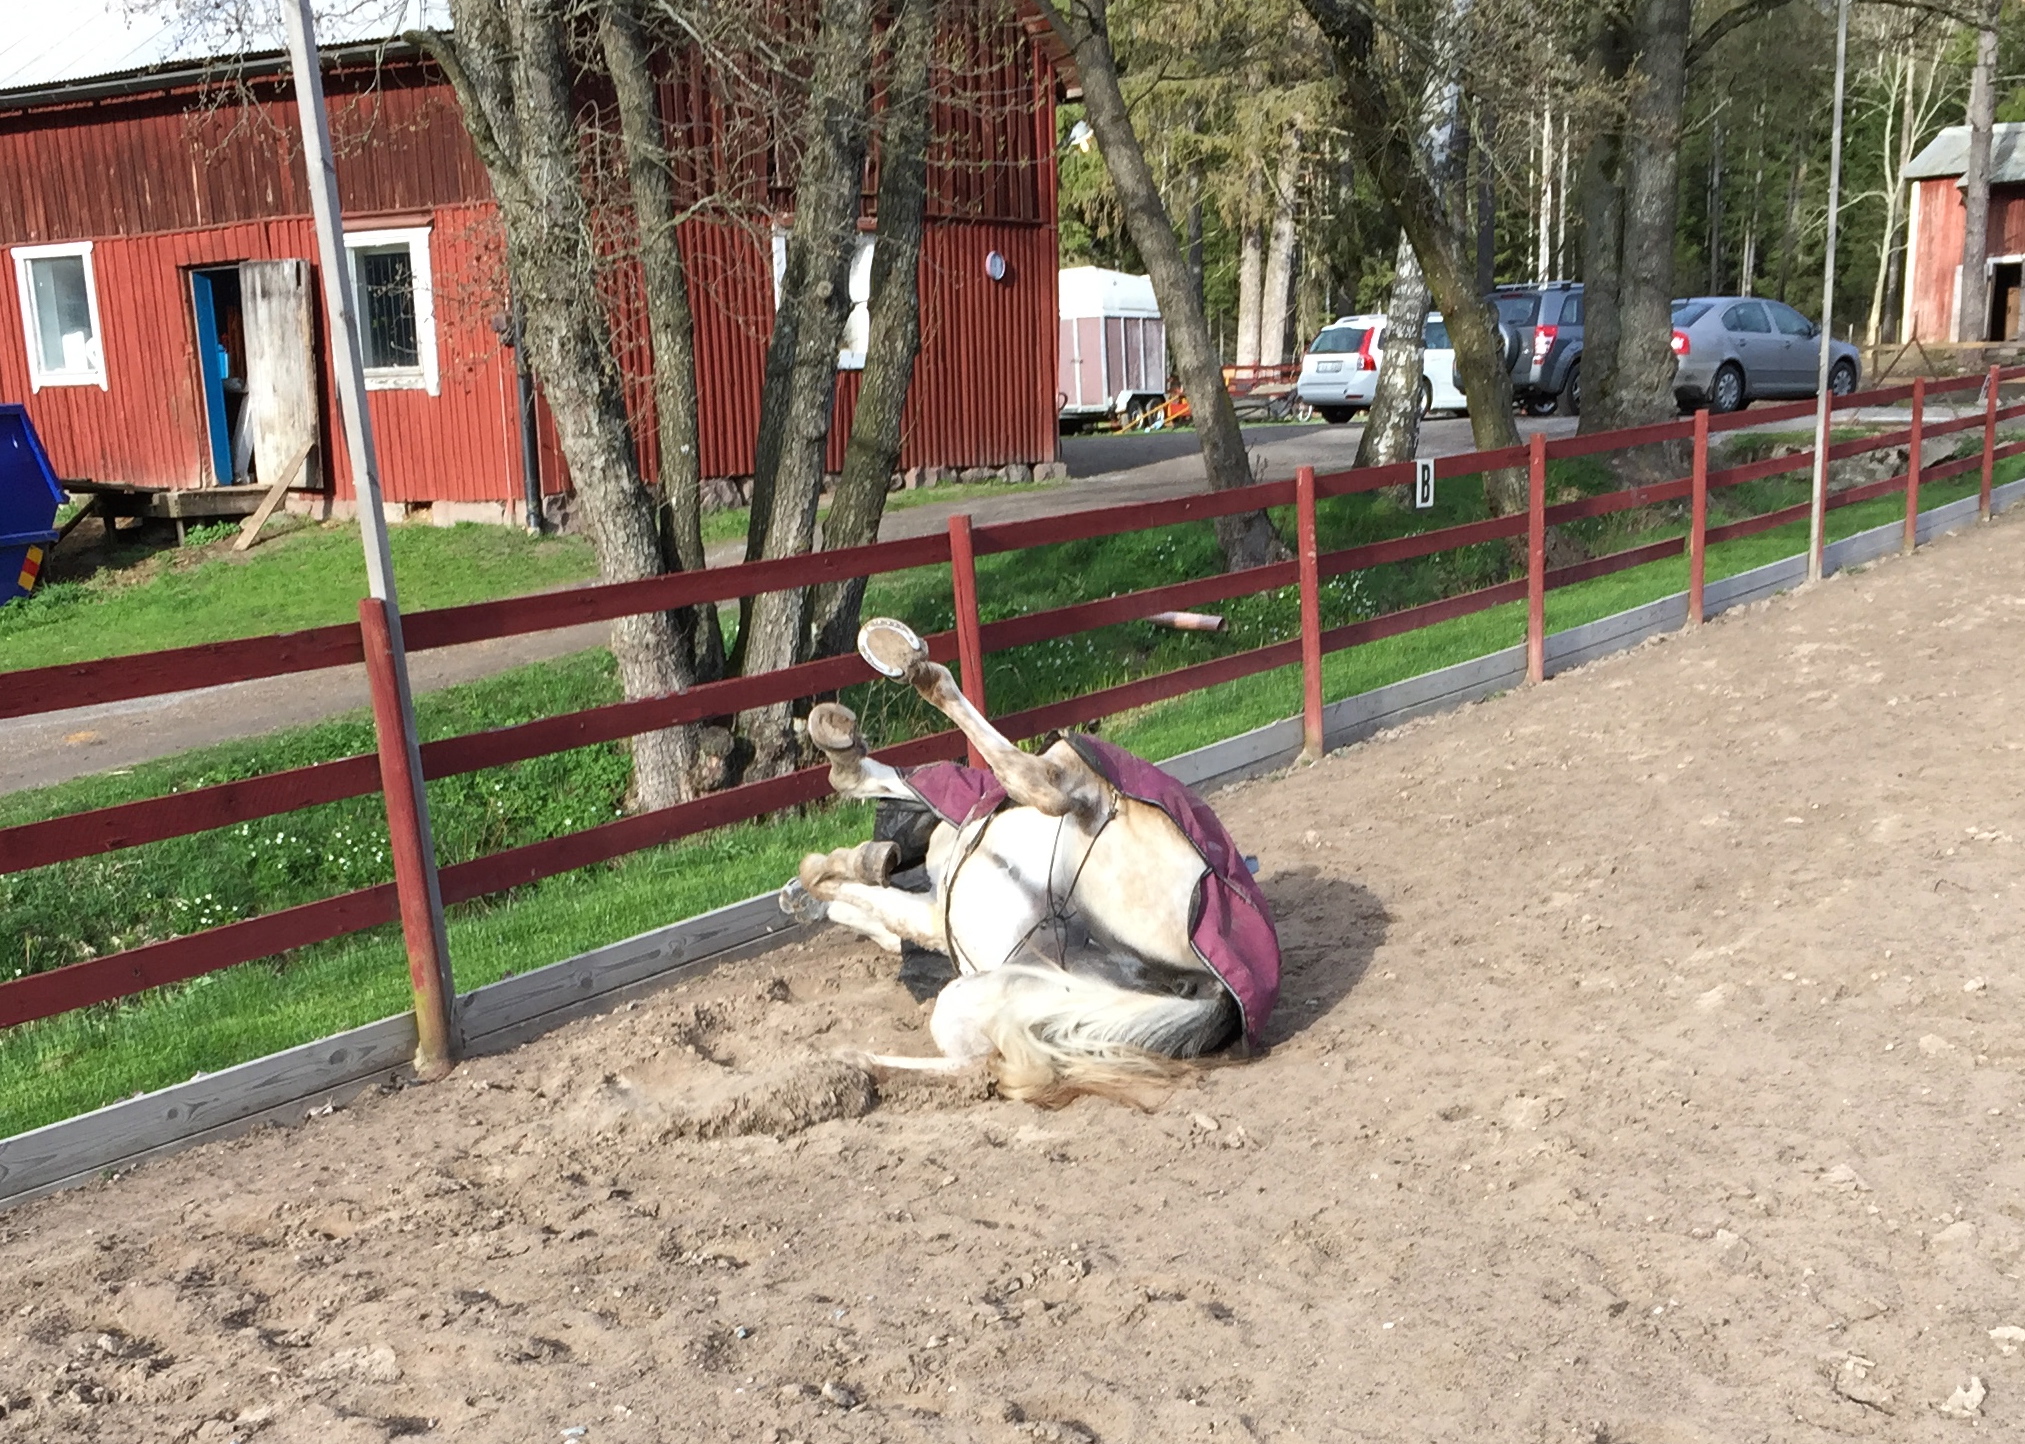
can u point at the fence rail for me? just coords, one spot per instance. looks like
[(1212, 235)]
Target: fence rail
[(53, 689)]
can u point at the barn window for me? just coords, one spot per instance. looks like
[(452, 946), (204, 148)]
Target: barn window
[(858, 325), (59, 312), (397, 308)]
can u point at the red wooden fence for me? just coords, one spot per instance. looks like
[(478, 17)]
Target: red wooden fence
[(52, 689)]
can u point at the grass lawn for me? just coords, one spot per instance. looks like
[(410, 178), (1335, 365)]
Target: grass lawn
[(65, 1065), (309, 576), (144, 597)]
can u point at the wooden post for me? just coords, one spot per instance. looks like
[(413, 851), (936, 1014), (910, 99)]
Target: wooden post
[(1912, 466), (409, 841), (1989, 445), (1311, 615), (1536, 560), (969, 641), (1698, 525)]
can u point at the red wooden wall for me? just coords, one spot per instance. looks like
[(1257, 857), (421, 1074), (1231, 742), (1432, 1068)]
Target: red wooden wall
[(1937, 250), (178, 180)]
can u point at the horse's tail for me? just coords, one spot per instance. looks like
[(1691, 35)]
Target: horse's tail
[(1059, 1034)]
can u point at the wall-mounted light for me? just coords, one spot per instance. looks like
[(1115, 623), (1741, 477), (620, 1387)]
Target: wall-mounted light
[(994, 265)]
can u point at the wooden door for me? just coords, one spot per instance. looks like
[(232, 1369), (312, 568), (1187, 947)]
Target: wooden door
[(281, 389)]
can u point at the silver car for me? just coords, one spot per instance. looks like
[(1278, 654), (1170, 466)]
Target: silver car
[(1732, 350)]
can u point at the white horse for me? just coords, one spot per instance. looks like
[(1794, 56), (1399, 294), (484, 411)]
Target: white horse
[(1101, 923)]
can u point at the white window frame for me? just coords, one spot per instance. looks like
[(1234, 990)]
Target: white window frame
[(859, 322), (425, 375), (40, 376)]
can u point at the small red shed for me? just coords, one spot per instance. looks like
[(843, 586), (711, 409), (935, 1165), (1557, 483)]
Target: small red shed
[(157, 224), (1934, 250)]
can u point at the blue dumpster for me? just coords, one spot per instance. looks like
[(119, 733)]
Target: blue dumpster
[(29, 497)]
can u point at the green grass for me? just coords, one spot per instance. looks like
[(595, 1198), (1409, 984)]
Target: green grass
[(65, 1065), (309, 577)]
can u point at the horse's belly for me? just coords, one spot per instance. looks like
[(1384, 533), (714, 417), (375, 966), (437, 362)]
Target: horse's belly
[(996, 893)]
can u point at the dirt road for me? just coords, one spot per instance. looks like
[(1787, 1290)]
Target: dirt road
[(1648, 1070)]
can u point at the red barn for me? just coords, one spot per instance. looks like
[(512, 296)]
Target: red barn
[(1934, 252), (141, 205)]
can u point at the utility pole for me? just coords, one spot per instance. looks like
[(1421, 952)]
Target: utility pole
[(409, 837)]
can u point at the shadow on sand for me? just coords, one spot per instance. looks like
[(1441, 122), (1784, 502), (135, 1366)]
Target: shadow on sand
[(1329, 931)]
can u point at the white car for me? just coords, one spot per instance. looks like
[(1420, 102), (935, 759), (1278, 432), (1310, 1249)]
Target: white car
[(1340, 371)]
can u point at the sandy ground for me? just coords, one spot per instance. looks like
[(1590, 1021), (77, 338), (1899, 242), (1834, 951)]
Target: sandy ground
[(1648, 1071)]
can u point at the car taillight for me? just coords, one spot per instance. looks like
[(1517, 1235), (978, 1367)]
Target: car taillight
[(1680, 343), (1360, 362), (1543, 342)]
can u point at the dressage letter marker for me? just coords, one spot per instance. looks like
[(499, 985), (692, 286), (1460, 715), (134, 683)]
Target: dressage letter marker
[(1423, 484)]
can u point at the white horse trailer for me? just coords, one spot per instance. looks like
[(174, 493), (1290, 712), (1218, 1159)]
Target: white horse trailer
[(1113, 345)]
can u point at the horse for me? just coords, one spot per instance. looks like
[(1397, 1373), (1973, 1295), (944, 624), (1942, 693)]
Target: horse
[(1103, 927)]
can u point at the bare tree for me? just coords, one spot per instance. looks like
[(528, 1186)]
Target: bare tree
[(670, 324), (895, 315), (801, 364), (1383, 120), (1247, 540), (509, 66)]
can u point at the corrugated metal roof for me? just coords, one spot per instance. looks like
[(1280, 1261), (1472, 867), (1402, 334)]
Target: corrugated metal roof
[(1947, 154), (55, 44)]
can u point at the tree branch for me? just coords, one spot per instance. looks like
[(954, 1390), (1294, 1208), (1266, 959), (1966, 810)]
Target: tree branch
[(477, 120), (1735, 18)]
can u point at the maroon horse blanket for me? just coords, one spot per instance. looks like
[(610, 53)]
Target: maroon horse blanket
[(1233, 928)]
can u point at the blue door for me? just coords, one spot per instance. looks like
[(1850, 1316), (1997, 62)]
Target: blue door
[(214, 364)]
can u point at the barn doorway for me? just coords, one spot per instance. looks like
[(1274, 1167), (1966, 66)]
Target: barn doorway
[(221, 368), (2005, 286)]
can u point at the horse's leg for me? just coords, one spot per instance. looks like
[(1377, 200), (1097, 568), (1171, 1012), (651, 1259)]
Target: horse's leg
[(888, 916), (1058, 783), (833, 727)]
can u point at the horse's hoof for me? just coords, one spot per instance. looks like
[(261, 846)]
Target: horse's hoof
[(801, 904), (834, 728), (891, 647)]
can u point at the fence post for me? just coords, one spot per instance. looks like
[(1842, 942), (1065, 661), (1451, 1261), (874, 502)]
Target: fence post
[(1912, 466), (1311, 616), (1989, 445), (409, 841), (969, 641), (1536, 559), (1698, 525)]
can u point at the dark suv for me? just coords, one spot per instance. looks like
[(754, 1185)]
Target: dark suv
[(1547, 362)]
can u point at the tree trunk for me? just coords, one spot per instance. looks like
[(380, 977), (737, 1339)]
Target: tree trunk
[(1789, 239), (1715, 207), (815, 303), (1251, 293), (1392, 430), (1897, 143), (1632, 194), (895, 340), (1972, 305), (1279, 279), (1248, 539), (670, 326), (1486, 203), (1608, 62), (510, 70), (1381, 132), (1645, 361)]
